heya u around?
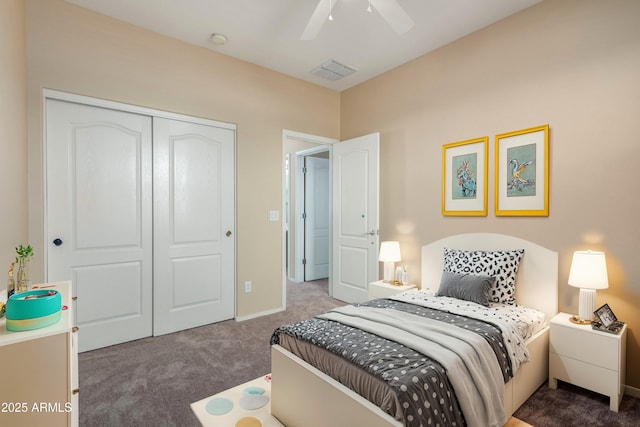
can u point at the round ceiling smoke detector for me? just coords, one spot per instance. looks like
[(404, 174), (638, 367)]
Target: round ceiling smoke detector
[(218, 39)]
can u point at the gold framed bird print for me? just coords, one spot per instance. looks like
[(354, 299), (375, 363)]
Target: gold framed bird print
[(464, 177), (522, 172)]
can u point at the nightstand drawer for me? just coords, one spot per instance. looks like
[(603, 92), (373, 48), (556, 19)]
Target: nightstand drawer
[(584, 375), (595, 348)]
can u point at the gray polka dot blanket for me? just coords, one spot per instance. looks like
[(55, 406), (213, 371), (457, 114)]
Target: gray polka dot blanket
[(447, 360)]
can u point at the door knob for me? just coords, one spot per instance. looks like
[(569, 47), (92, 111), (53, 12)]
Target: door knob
[(228, 233), (57, 241)]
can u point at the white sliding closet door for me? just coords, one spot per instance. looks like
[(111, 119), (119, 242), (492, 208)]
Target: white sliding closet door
[(99, 218), (193, 225), (140, 215)]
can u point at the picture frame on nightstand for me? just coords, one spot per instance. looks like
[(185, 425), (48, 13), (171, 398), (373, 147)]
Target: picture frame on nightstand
[(607, 320)]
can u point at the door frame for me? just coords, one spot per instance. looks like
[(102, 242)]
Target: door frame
[(324, 144), (130, 108)]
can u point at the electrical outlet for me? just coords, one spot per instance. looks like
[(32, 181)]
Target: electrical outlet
[(247, 286)]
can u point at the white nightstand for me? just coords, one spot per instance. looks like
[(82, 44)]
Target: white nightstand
[(590, 359), (382, 289)]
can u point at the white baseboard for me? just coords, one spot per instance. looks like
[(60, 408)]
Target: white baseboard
[(632, 391), (263, 313)]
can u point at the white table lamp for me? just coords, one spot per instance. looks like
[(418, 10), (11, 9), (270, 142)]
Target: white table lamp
[(588, 272), (389, 254)]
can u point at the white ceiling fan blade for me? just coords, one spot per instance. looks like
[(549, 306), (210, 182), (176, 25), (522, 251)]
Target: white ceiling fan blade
[(394, 14), (320, 15)]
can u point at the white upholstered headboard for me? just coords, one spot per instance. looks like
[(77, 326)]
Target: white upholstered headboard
[(537, 280)]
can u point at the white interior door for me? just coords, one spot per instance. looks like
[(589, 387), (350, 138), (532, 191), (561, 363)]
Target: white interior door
[(355, 216), (99, 218), (316, 195), (194, 279)]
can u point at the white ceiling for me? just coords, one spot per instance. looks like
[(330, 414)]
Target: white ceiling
[(267, 32)]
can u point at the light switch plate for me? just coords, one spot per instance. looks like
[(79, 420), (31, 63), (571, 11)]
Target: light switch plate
[(274, 215)]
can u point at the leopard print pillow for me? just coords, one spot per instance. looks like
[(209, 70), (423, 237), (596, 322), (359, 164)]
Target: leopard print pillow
[(503, 265)]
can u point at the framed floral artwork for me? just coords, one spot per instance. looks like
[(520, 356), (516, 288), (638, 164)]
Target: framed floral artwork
[(464, 177), (522, 172)]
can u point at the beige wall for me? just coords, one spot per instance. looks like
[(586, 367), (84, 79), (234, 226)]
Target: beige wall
[(74, 50), (13, 132), (569, 63), (572, 64)]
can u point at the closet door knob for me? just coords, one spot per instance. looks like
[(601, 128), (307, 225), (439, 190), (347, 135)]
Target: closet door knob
[(228, 233), (57, 241)]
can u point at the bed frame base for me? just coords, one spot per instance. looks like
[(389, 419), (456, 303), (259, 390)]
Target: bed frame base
[(301, 395), (531, 375)]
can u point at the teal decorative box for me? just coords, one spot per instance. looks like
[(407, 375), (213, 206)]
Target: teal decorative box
[(33, 310)]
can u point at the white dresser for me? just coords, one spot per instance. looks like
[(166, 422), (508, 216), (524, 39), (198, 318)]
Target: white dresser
[(39, 371), (590, 359)]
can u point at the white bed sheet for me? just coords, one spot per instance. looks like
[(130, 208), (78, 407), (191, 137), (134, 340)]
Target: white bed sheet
[(529, 321), (516, 321)]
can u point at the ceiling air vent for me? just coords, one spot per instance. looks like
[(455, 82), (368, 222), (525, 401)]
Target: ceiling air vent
[(332, 70)]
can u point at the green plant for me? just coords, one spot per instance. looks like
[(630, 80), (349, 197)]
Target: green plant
[(25, 253)]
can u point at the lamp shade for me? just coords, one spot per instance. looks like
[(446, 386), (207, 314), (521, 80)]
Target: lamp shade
[(389, 252), (589, 270)]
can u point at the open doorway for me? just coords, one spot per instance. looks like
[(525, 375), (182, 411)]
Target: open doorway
[(312, 215), (354, 170), (306, 207)]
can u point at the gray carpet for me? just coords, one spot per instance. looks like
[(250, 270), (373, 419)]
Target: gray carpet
[(152, 381), (569, 406)]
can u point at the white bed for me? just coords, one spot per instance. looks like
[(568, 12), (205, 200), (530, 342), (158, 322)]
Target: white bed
[(303, 396)]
